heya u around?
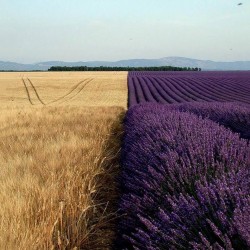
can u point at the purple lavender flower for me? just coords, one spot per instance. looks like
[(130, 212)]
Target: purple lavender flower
[(185, 182)]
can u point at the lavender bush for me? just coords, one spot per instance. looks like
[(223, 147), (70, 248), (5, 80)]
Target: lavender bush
[(184, 182)]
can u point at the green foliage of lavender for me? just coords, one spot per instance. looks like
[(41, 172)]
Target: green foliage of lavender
[(185, 182)]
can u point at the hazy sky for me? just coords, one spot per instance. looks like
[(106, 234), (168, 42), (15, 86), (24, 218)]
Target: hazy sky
[(79, 30)]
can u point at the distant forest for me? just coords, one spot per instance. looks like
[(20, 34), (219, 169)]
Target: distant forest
[(104, 68)]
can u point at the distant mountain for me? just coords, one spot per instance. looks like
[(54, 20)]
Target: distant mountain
[(206, 64), (166, 61)]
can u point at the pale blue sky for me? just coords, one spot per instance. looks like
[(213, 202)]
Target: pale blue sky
[(80, 30)]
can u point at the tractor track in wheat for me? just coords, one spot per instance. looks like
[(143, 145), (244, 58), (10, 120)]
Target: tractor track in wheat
[(73, 92), (27, 91), (70, 92), (76, 90), (35, 91)]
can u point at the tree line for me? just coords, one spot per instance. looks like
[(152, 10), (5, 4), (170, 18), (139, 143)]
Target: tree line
[(106, 68)]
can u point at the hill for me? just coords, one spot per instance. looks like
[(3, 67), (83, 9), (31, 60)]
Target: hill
[(166, 61)]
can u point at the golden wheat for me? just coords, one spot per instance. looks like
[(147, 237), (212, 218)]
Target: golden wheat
[(59, 161), (63, 89)]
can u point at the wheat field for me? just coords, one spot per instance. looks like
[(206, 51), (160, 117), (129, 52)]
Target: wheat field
[(63, 88), (60, 139)]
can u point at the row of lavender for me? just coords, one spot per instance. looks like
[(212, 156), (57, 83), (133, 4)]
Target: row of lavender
[(185, 180), (203, 74), (232, 115), (179, 87)]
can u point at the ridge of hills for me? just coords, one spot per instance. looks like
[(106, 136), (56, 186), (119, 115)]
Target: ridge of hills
[(165, 61)]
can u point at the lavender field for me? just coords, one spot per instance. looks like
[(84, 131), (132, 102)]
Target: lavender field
[(185, 176), (179, 87)]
